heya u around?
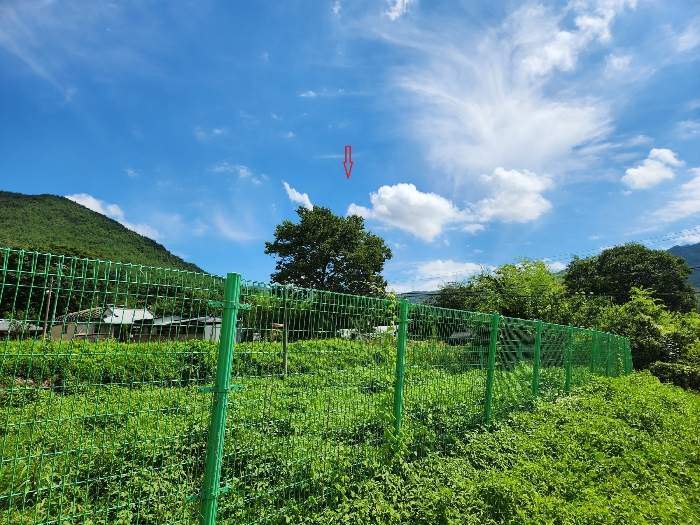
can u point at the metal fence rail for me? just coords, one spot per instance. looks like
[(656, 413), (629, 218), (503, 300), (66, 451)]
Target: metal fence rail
[(131, 394)]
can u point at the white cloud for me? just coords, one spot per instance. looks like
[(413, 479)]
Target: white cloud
[(686, 203), (689, 236), (308, 94), (477, 103), (403, 206), (430, 275), (112, 211), (516, 197), (448, 269), (690, 38), (336, 7), (224, 167), (618, 62), (397, 8), (472, 228), (131, 172), (653, 170), (688, 129), (548, 47), (205, 137), (289, 135), (638, 139), (299, 198), (555, 266), (666, 156)]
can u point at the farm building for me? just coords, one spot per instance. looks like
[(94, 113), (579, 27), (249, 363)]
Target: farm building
[(132, 325)]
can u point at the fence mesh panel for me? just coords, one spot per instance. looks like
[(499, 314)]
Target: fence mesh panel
[(446, 358), (101, 417), (311, 402), (107, 389)]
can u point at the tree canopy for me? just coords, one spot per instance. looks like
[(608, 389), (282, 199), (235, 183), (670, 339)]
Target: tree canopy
[(615, 271), (525, 289), (329, 252)]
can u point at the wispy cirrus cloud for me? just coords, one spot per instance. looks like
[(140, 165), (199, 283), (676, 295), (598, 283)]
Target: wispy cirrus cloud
[(686, 202), (56, 39), (482, 99), (690, 37)]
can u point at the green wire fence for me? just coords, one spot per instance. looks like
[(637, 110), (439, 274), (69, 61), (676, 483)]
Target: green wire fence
[(131, 394)]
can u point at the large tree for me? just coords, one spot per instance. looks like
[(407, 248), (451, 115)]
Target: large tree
[(329, 252), (615, 271)]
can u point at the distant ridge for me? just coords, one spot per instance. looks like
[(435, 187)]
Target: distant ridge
[(691, 254), (49, 223)]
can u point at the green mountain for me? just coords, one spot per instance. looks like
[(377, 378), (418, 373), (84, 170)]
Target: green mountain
[(48, 223), (691, 254)]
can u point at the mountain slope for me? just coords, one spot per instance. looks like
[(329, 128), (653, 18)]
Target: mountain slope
[(691, 254), (48, 223)]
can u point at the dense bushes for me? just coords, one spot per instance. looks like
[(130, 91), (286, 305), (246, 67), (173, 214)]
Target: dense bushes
[(680, 375)]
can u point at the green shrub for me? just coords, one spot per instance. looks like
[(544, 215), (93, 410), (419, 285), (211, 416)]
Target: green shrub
[(678, 374)]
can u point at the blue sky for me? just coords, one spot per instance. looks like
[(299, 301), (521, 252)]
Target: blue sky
[(481, 131)]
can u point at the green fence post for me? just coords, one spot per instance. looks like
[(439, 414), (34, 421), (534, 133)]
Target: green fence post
[(285, 331), (217, 426), (607, 359), (629, 364), (568, 359), (536, 360), (593, 351), (491, 369), (400, 365)]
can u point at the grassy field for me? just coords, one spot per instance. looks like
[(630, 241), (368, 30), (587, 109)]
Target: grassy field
[(116, 433)]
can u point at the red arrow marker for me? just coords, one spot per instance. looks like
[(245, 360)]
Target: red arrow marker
[(348, 160)]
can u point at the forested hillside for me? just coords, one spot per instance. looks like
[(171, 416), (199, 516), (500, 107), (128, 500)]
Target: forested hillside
[(691, 254), (49, 223)]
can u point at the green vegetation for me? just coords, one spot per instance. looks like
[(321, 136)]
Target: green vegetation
[(615, 271), (48, 223), (314, 447), (662, 324), (680, 375), (619, 451), (328, 252), (691, 254)]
